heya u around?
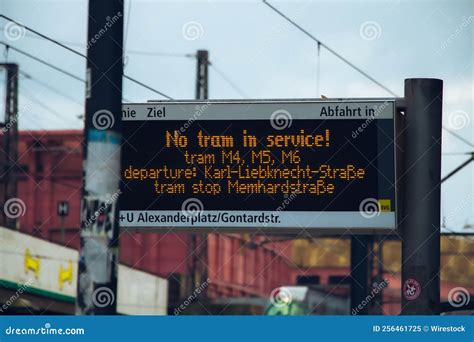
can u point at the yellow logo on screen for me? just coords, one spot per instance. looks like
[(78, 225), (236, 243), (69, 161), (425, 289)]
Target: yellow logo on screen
[(385, 205)]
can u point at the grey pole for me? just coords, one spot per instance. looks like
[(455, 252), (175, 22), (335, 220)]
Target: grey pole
[(98, 258), (419, 193), (202, 80), (9, 150), (197, 263), (361, 247)]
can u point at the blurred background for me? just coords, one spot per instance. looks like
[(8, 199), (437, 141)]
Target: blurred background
[(254, 54)]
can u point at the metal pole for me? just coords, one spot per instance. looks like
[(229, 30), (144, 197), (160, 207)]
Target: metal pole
[(12, 207), (419, 187), (63, 233), (202, 80), (361, 246), (197, 265), (98, 262)]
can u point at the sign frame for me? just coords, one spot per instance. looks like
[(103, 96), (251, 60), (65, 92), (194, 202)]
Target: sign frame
[(374, 229)]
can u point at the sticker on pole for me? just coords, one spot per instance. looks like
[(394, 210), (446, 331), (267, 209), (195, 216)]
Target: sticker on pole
[(411, 289), (270, 165)]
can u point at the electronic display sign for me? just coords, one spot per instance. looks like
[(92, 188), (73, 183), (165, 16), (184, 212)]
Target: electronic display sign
[(261, 164)]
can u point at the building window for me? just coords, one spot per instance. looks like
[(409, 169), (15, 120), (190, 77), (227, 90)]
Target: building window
[(339, 280), (307, 280)]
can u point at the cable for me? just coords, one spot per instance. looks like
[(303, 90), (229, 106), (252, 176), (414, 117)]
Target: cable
[(351, 64), (43, 62), (32, 98), (318, 71), (24, 110), (45, 85), (75, 52), (228, 80), (458, 153), (458, 136), (125, 35), (50, 65), (34, 119), (162, 54), (42, 35), (127, 26), (330, 49), (147, 87), (128, 52)]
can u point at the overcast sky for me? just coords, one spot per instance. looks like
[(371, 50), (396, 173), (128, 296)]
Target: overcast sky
[(265, 57)]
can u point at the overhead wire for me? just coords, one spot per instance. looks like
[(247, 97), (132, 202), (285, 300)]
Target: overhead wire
[(338, 55), (352, 65), (458, 136), (40, 34), (75, 52), (29, 77), (228, 80), (44, 62), (318, 71), (130, 78), (345, 60), (126, 51), (32, 98), (127, 25)]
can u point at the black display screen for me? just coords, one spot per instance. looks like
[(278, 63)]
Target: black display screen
[(257, 165)]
